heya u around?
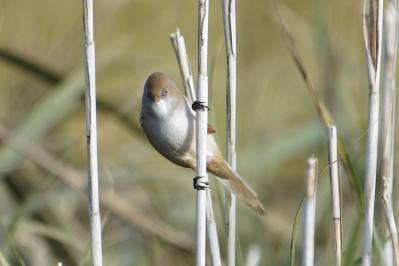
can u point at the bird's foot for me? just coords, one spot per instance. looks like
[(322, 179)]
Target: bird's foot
[(200, 185), (197, 105)]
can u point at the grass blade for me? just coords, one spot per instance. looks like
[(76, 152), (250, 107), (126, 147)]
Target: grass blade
[(293, 236), (11, 242)]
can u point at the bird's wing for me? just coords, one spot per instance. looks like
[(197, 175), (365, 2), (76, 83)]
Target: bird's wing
[(211, 129)]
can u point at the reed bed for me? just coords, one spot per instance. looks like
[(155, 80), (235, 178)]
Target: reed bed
[(289, 88)]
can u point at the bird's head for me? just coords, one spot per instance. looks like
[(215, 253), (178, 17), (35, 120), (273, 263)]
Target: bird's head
[(160, 94)]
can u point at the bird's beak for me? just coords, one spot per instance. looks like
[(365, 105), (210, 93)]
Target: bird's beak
[(156, 99), (153, 98)]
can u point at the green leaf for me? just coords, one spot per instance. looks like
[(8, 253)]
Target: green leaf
[(293, 237), (11, 242)]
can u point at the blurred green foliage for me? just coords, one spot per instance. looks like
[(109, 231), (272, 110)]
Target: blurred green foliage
[(41, 102)]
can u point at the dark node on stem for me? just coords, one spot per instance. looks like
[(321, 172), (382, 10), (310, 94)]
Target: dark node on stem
[(198, 184), (197, 105)]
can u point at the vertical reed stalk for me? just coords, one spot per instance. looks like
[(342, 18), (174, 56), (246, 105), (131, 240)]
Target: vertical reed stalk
[(335, 193), (184, 64), (372, 31), (388, 211), (185, 70), (201, 127), (388, 121), (212, 232), (309, 213), (91, 132), (229, 24)]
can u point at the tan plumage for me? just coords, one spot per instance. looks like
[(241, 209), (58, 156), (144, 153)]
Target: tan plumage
[(169, 124)]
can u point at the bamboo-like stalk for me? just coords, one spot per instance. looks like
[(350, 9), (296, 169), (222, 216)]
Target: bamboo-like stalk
[(372, 43), (184, 64), (388, 211), (388, 121), (185, 70), (201, 130), (91, 133), (335, 193), (229, 25), (212, 232), (309, 213)]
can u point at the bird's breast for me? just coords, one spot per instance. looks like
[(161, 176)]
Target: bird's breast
[(172, 135)]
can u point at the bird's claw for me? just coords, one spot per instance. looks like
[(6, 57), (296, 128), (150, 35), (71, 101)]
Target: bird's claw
[(197, 105), (202, 185)]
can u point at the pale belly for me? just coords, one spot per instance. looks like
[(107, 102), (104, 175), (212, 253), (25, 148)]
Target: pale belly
[(174, 138)]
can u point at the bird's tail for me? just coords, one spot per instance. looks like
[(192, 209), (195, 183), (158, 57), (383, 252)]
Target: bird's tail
[(236, 184)]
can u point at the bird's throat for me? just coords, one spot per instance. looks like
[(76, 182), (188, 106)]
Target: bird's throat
[(160, 110)]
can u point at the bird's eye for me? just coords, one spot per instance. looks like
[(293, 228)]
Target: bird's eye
[(165, 92), (148, 95)]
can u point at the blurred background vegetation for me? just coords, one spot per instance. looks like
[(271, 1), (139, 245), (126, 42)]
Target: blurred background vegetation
[(148, 204)]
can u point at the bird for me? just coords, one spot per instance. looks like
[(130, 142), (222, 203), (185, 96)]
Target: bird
[(168, 121)]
